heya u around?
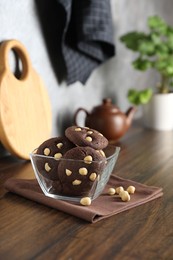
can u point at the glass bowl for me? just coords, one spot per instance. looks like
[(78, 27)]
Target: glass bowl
[(62, 185)]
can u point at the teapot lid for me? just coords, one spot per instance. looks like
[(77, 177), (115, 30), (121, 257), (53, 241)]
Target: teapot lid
[(106, 107)]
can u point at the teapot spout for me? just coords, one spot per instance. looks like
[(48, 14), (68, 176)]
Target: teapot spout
[(129, 115)]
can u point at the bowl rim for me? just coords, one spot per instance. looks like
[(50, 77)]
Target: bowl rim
[(116, 152)]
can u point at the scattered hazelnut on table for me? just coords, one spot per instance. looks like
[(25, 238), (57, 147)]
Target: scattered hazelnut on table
[(111, 191), (85, 201), (119, 189), (124, 195), (131, 189)]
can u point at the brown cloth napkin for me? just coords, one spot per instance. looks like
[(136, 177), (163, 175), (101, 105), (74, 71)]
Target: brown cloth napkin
[(102, 207)]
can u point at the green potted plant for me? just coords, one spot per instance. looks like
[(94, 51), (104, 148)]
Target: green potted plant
[(154, 50)]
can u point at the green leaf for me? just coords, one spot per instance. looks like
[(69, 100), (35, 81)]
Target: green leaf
[(132, 39), (169, 70), (146, 48), (155, 38), (133, 96), (142, 64), (165, 66), (170, 41), (157, 24), (161, 64), (145, 96), (162, 49), (138, 97)]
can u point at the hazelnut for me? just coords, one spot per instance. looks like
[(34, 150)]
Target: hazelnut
[(78, 129), (124, 195), (131, 189), (68, 172), (90, 132), (76, 182), (86, 201), (119, 189), (57, 155), (83, 171), (46, 151), (47, 167), (111, 191), (88, 159), (59, 145), (89, 139), (93, 176)]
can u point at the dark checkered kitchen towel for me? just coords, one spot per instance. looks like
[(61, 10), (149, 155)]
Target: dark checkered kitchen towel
[(87, 37)]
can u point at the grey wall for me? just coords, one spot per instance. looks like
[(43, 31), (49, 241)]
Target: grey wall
[(19, 19)]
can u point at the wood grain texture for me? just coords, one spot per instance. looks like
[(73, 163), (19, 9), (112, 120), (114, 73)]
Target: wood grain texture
[(25, 113), (32, 231)]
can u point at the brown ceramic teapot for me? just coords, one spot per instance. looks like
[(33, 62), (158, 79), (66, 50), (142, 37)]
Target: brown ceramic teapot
[(108, 119)]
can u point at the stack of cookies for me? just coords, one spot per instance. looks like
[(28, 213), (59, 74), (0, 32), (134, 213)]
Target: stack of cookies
[(73, 162)]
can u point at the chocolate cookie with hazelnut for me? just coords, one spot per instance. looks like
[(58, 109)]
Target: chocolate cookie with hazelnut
[(51, 149), (80, 170), (84, 136)]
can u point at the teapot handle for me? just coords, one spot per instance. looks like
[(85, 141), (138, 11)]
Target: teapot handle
[(77, 113)]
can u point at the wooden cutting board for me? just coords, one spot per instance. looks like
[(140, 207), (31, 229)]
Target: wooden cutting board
[(25, 111)]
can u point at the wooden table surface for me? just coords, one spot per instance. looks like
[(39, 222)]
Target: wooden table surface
[(29, 230)]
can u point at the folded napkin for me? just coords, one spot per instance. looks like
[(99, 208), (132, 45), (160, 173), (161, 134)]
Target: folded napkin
[(102, 207), (87, 36)]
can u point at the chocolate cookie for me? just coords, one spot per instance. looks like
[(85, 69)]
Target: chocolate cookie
[(80, 170), (84, 136), (54, 148)]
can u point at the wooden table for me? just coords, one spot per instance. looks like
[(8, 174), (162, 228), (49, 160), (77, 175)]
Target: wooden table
[(29, 230)]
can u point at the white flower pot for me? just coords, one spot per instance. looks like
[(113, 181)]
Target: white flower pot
[(158, 113)]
